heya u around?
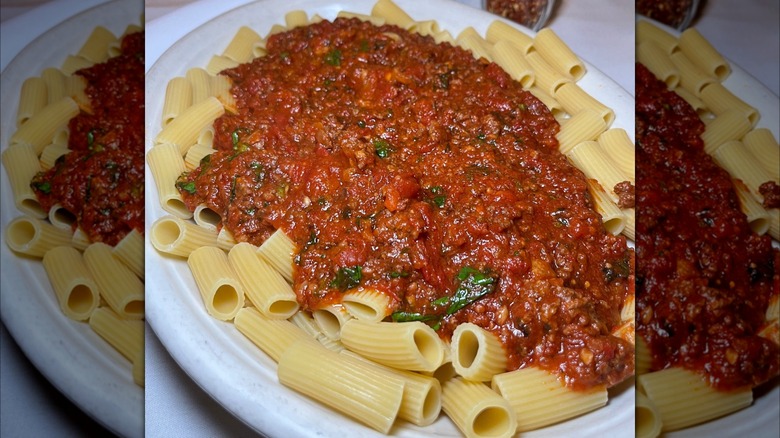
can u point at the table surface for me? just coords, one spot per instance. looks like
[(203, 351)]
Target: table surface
[(175, 405)]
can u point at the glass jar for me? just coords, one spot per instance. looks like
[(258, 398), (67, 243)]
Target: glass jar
[(532, 14), (674, 13)]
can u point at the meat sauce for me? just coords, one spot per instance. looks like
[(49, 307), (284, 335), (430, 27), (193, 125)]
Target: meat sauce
[(100, 181), (670, 12), (406, 166), (704, 279)]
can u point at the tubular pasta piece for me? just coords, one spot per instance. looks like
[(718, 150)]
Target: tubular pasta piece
[(95, 48), (34, 237), (74, 63), (206, 217), (421, 402), (367, 304), (80, 239), (476, 410), (375, 20), (330, 319), (741, 164), (73, 285), (125, 335), (691, 78), (61, 218), (279, 251), (629, 229), (477, 354), (618, 146), (32, 98), (218, 63), (218, 284), (703, 54), (392, 13), (195, 155), (574, 99), (683, 398), (183, 130), (585, 125), (118, 285), (346, 384), (130, 251), (646, 31), (540, 399), (178, 97), (648, 422), (267, 289), (410, 345), (499, 30), (240, 48), (176, 236), (611, 215), (644, 360), (730, 125), (719, 100), (658, 61), (56, 84), (512, 60), (553, 105), (589, 157), (200, 82), (470, 40), (295, 19), (271, 335), (757, 216), (166, 164), (558, 54), (21, 164), (426, 27), (545, 76), (50, 154), (39, 130), (763, 145), (306, 322)]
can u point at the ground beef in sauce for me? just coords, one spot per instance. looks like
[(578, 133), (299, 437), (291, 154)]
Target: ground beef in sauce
[(406, 166), (670, 12), (704, 279), (770, 190), (525, 12), (101, 180), (626, 194)]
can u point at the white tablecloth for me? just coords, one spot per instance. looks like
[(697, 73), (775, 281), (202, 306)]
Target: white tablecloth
[(175, 405)]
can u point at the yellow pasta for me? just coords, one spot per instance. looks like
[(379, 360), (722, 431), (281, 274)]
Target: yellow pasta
[(125, 335), (410, 345), (476, 410), (295, 19), (367, 304), (61, 218), (757, 216), (74, 63), (646, 31), (558, 54), (691, 78), (21, 164), (166, 164), (240, 48), (618, 146), (499, 30), (470, 40), (589, 157), (612, 216), (540, 399), (121, 289), (763, 145), (34, 237), (330, 319), (130, 251), (477, 354), (183, 130), (218, 284), (33, 97), (392, 14), (271, 335), (585, 125), (95, 48), (217, 63), (330, 378), (73, 285), (511, 59), (178, 237), (39, 130), (648, 422), (574, 99), (703, 54), (545, 76), (658, 62), (265, 287), (50, 154), (719, 100), (178, 97), (741, 164), (278, 250), (683, 398), (643, 357)]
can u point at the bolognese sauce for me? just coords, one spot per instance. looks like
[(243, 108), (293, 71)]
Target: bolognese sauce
[(704, 279), (409, 167), (100, 181)]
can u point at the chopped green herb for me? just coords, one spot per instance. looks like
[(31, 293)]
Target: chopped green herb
[(186, 186), (474, 284), (347, 278), (43, 186), (382, 148), (396, 274), (333, 58), (412, 316)]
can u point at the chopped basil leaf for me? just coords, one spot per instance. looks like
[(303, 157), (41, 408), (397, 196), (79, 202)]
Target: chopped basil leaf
[(43, 186), (186, 186), (382, 148), (347, 278), (474, 284), (333, 57), (412, 316)]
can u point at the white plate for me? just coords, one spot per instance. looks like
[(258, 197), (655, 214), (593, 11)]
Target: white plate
[(71, 356), (217, 357), (760, 419)]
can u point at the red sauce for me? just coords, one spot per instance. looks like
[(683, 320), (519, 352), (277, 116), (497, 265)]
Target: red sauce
[(398, 164), (525, 12), (100, 182), (704, 278)]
